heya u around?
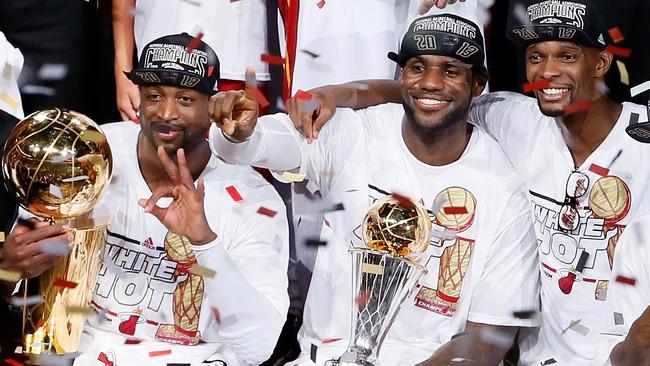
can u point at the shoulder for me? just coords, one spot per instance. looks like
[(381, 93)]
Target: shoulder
[(117, 133), (494, 163), (502, 101)]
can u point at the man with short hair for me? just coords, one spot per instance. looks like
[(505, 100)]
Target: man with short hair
[(585, 174), (200, 211), (481, 257)]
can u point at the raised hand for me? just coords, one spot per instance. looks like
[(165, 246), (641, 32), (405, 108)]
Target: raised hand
[(309, 116), (426, 5), (22, 252), (235, 112), (128, 98), (185, 216)]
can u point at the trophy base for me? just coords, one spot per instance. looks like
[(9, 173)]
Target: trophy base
[(350, 358)]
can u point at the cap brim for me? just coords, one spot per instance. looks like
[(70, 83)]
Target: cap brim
[(393, 56), (175, 78), (579, 37)]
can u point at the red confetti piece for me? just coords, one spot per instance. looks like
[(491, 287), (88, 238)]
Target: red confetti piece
[(454, 210), (12, 362), (272, 59), (618, 51), (160, 353), (194, 43), (327, 223), (217, 316), (266, 211), (330, 340), (403, 201), (616, 34), (320, 4), (626, 280), (577, 106), (529, 87), (261, 99), (362, 299), (232, 191), (303, 95), (132, 341), (599, 170), (60, 282)]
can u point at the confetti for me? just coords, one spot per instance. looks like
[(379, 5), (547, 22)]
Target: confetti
[(202, 271), (2, 236), (160, 353), (626, 280), (303, 95), (9, 276), (318, 206), (310, 54), (312, 353), (496, 338), (217, 315), (57, 248), (622, 71), (580, 329), (27, 301), (56, 191), (577, 106), (618, 319), (293, 177), (194, 43), (38, 90), (529, 87), (372, 268), (9, 100), (362, 299), (272, 59), (132, 341), (52, 72), (550, 361), (310, 105), (636, 90), (78, 309), (12, 362), (74, 179), (232, 191), (320, 4), (618, 51), (571, 325), (599, 170), (454, 210), (330, 340), (616, 34), (60, 282), (584, 255), (315, 242), (525, 314), (266, 211), (403, 201), (261, 99)]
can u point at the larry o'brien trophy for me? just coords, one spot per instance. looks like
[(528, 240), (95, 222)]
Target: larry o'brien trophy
[(58, 164), (395, 232)]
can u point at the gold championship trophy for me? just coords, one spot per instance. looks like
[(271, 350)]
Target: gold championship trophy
[(58, 164), (395, 232)]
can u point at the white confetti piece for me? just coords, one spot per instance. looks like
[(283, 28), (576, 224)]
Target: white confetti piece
[(293, 177), (496, 338), (57, 248), (38, 90), (74, 179), (618, 319), (56, 191), (52, 72), (372, 268), (9, 276), (9, 100), (27, 301), (310, 105), (640, 88), (202, 271)]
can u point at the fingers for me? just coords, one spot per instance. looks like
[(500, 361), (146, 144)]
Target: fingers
[(324, 115), (186, 177), (150, 205), (426, 5), (40, 233), (251, 84), (168, 164)]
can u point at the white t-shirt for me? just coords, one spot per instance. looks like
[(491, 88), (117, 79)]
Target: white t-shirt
[(236, 30), (12, 61), (361, 156), (534, 144), (143, 287), (632, 261)]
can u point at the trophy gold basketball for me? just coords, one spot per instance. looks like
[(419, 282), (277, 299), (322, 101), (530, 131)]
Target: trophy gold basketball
[(58, 164), (383, 274)]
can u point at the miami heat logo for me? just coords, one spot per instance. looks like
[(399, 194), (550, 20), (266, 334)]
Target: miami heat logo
[(456, 215)]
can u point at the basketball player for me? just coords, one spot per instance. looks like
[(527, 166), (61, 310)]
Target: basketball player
[(481, 258), (581, 168), (149, 287)]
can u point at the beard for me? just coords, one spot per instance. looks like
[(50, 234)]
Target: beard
[(550, 112), (431, 131)]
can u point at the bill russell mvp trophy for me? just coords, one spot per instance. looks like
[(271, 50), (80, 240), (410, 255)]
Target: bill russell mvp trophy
[(383, 274), (58, 164)]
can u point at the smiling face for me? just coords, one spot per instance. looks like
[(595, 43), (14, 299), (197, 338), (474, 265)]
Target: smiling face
[(173, 117), (437, 91), (573, 72)]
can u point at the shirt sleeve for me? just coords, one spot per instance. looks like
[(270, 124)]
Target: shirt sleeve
[(510, 279), (249, 290), (631, 262)]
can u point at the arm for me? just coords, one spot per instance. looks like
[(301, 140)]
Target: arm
[(128, 97), (635, 349), (479, 345)]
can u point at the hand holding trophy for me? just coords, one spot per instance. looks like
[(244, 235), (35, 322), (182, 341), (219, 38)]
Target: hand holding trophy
[(395, 232), (58, 164)]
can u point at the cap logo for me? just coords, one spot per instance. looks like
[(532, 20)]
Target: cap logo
[(189, 81), (161, 53), (573, 12), (466, 50), (148, 77), (445, 24), (425, 42)]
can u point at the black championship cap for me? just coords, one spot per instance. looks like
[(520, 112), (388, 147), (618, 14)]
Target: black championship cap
[(532, 21), (168, 61), (443, 35)]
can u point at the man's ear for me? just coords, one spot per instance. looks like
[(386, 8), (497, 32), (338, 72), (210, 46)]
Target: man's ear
[(479, 81), (605, 60)]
